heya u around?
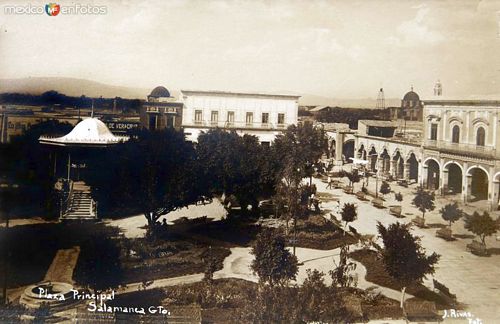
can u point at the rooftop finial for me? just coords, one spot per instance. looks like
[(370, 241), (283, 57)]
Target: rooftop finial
[(411, 87)]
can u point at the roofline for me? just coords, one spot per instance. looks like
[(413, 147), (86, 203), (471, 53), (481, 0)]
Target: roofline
[(240, 94), (466, 102)]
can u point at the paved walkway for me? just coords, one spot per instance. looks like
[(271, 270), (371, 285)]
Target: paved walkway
[(62, 266), (135, 226), (237, 265), (475, 280)]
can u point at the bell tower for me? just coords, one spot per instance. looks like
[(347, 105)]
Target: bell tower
[(438, 89)]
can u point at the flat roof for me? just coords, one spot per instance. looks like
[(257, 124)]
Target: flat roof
[(239, 94), (461, 102), (379, 123)]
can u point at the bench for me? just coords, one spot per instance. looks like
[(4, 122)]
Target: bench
[(395, 211), (477, 248), (418, 221), (444, 233), (348, 190), (417, 311), (377, 202), (361, 196)]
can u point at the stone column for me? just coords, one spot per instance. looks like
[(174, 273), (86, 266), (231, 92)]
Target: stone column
[(494, 199), (468, 188), (424, 176), (380, 166), (444, 181), (407, 171), (394, 170), (339, 141)]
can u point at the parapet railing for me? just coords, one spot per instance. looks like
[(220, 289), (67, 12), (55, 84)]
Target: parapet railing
[(462, 148), (235, 124)]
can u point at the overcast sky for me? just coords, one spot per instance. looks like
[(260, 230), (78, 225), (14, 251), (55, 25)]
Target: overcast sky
[(343, 49)]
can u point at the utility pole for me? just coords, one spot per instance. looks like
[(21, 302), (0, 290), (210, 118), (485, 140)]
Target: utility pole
[(7, 202)]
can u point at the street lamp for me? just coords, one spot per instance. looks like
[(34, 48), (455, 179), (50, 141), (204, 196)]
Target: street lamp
[(7, 198)]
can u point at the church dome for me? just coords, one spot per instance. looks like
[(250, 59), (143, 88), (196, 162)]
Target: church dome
[(160, 92), (411, 96)]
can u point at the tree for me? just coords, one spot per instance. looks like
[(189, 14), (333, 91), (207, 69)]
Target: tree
[(99, 265), (424, 200), (481, 225), (273, 263), (404, 257), (236, 165), (320, 303), (385, 188), (210, 265), (156, 173), (27, 162), (353, 177), (293, 194), (349, 213), (341, 275), (300, 147), (451, 213)]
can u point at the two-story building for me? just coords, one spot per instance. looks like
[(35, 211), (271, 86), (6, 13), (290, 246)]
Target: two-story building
[(161, 110), (460, 148), (262, 115)]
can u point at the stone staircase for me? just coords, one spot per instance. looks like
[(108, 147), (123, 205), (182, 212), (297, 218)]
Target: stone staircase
[(81, 206)]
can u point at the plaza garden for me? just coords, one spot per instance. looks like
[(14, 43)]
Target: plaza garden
[(284, 249)]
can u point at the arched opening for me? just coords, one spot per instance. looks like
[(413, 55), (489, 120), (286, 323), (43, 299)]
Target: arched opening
[(362, 152), (480, 136), (373, 159), (348, 149), (386, 165), (454, 178), (401, 169), (332, 148), (455, 136), (399, 165), (413, 165), (432, 175), (479, 184)]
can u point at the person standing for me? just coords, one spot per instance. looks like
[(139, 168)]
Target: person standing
[(329, 183)]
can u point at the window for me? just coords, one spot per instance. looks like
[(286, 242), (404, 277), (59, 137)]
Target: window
[(249, 118), (230, 118), (434, 132), (265, 118), (198, 116), (170, 121), (152, 122), (480, 136), (214, 117), (455, 134), (281, 119)]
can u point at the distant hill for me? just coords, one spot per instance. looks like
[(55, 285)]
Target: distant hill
[(71, 87), (313, 100), (78, 87)]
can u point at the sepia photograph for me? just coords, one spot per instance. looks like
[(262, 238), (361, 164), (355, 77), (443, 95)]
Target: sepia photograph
[(250, 161)]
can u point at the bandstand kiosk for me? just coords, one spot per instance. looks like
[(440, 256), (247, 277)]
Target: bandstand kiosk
[(87, 139)]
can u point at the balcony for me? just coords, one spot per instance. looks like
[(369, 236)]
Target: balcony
[(235, 125), (461, 148)]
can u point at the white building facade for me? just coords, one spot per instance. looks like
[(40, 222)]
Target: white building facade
[(461, 148), (261, 115)]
